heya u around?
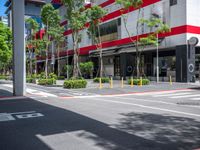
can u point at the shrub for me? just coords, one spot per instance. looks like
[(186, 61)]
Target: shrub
[(86, 69), (3, 77), (103, 80), (30, 80), (137, 81), (52, 76), (41, 75), (46, 81), (75, 84), (61, 78)]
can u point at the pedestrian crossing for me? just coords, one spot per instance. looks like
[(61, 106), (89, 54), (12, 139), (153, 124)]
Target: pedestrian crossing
[(174, 95)]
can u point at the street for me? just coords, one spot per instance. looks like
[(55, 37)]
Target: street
[(149, 120)]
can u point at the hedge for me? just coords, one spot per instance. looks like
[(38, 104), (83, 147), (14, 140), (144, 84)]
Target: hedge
[(46, 81), (137, 81), (61, 78), (30, 80), (4, 77), (75, 84), (103, 80)]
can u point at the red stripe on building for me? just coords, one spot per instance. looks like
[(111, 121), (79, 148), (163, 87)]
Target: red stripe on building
[(174, 31), (118, 13)]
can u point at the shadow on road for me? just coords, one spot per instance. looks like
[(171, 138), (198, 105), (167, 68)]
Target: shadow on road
[(5, 93), (135, 132), (178, 132)]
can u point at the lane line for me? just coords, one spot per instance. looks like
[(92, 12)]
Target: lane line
[(186, 96), (157, 101), (195, 99), (175, 94), (149, 107)]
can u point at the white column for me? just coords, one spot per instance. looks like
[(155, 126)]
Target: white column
[(18, 27)]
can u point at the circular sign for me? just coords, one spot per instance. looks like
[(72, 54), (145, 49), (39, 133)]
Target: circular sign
[(129, 69), (193, 41), (191, 68)]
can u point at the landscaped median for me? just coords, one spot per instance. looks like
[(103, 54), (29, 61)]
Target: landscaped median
[(75, 83), (103, 80)]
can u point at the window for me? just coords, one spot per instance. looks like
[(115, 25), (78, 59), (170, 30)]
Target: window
[(173, 2)]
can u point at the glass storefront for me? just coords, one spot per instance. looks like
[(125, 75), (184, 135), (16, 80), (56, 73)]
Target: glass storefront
[(167, 66)]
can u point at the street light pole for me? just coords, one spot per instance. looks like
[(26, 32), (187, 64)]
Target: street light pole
[(157, 60)]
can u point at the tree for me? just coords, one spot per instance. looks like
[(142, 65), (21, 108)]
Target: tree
[(126, 5), (58, 37), (76, 17), (33, 26), (95, 15), (5, 48), (51, 19)]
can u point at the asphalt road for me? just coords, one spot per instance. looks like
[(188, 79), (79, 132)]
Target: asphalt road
[(157, 119)]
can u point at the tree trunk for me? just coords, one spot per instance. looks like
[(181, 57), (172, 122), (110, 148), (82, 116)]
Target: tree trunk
[(100, 56), (75, 68), (58, 57), (137, 46), (46, 63)]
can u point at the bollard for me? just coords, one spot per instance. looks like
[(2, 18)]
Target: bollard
[(170, 80), (140, 81), (131, 82), (100, 83), (122, 83), (111, 82)]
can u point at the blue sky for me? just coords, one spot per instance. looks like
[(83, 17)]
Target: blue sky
[(2, 8)]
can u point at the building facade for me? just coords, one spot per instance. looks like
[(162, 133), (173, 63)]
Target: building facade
[(179, 51)]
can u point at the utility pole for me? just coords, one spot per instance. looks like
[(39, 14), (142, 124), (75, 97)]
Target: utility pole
[(19, 67), (157, 61)]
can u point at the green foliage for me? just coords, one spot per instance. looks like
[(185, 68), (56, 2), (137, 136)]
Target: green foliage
[(3, 77), (94, 15), (46, 81), (42, 75), (137, 81), (103, 80), (61, 78), (75, 84), (130, 3), (68, 68), (159, 26), (5, 46), (32, 25), (86, 68), (53, 76), (30, 80)]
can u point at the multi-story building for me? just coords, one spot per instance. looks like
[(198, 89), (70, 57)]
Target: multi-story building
[(179, 53), (4, 19)]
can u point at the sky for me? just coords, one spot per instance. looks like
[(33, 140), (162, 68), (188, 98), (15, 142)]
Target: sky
[(2, 8)]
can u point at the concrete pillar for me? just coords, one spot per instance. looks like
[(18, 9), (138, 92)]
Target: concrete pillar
[(123, 63), (18, 27)]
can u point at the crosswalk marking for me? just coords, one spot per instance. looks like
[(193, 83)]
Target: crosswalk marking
[(195, 99), (186, 96), (173, 94)]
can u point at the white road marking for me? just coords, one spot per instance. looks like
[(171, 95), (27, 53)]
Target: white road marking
[(6, 117), (33, 115), (8, 85), (170, 94), (195, 99), (149, 107), (186, 96), (24, 112)]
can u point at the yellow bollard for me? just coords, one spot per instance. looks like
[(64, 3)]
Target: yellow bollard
[(170, 80), (140, 81), (131, 82), (100, 83), (122, 83), (111, 82)]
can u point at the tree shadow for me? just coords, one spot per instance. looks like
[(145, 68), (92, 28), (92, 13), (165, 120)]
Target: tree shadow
[(22, 134), (179, 132)]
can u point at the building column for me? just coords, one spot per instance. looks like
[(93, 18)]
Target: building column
[(19, 69), (185, 63), (123, 65)]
